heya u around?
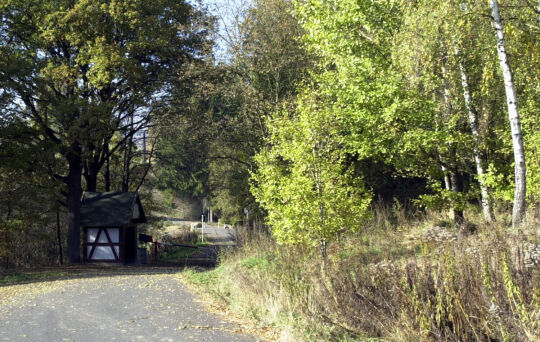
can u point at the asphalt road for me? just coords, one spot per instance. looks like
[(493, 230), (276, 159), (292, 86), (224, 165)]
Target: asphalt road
[(150, 305)]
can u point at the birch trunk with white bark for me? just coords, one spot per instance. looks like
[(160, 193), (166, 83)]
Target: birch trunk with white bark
[(473, 123), (447, 184), (518, 212)]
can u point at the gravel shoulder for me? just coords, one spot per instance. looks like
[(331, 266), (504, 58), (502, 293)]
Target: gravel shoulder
[(153, 305)]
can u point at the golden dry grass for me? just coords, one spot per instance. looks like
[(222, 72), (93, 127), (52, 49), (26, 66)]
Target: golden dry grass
[(401, 279)]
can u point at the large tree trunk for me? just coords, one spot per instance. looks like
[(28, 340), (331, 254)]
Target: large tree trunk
[(127, 166), (473, 123), (73, 181), (107, 170), (127, 160), (90, 176), (515, 124), (59, 237)]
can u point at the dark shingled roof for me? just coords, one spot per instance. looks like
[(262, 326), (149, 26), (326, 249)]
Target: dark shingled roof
[(110, 209)]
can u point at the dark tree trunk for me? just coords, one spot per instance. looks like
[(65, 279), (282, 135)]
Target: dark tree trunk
[(90, 176), (107, 170), (91, 167), (73, 181), (127, 167), (59, 236), (127, 160), (144, 147), (91, 182)]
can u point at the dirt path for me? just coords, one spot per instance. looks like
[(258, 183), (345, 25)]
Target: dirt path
[(150, 305)]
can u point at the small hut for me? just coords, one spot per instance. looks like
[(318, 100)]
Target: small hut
[(109, 222)]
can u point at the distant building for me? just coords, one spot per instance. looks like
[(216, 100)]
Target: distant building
[(109, 222)]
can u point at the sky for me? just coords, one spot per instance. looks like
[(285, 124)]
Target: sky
[(229, 14)]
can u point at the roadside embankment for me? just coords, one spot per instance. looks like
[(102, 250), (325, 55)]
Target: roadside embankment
[(421, 281)]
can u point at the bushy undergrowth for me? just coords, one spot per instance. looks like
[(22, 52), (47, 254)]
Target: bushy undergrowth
[(392, 285), (178, 246), (33, 242)]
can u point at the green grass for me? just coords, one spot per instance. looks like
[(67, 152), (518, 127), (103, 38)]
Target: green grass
[(178, 254), (259, 262), (202, 278)]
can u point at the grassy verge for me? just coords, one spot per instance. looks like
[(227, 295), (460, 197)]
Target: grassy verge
[(179, 253), (413, 281)]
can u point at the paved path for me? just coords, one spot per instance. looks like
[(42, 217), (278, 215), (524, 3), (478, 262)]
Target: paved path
[(150, 305)]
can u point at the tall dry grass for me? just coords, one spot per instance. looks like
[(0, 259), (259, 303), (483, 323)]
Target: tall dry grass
[(399, 280)]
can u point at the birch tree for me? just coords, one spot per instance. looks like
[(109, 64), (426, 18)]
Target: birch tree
[(518, 212), (473, 123)]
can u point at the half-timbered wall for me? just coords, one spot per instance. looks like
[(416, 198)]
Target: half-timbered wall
[(103, 244)]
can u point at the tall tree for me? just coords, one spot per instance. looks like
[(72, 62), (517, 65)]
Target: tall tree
[(220, 119), (473, 123), (520, 172), (308, 176), (453, 37), (76, 69)]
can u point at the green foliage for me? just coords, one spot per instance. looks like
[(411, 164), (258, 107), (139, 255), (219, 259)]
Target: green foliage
[(178, 254), (179, 164), (258, 262), (86, 58), (304, 184), (73, 74), (216, 123), (309, 179)]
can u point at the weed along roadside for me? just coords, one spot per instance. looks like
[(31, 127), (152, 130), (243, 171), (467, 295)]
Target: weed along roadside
[(421, 282)]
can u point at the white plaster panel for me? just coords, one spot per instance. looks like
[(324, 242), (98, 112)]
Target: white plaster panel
[(91, 234), (103, 253)]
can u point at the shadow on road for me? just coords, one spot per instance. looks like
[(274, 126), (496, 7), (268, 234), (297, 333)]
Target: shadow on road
[(36, 275)]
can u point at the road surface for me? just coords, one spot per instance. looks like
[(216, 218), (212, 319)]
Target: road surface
[(144, 304)]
